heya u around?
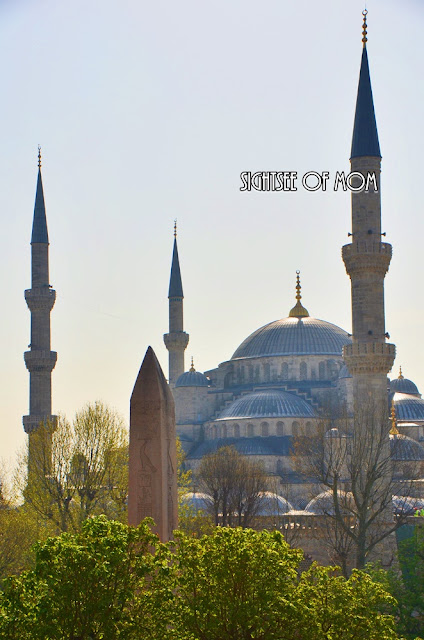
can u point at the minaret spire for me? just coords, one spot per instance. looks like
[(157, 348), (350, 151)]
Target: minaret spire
[(176, 340), (40, 360), (369, 358)]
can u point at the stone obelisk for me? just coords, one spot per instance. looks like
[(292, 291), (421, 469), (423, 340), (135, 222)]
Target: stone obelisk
[(153, 455)]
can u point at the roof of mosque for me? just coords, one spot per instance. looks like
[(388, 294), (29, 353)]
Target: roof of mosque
[(344, 372), (267, 404), (294, 336), (404, 448), (266, 446), (408, 407), (192, 379)]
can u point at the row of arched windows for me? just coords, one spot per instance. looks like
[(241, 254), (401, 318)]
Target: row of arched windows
[(250, 373), (250, 430)]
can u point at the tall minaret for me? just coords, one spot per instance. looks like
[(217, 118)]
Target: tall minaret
[(176, 340), (40, 361), (369, 358)]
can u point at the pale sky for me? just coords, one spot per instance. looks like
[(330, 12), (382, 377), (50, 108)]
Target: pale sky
[(149, 111)]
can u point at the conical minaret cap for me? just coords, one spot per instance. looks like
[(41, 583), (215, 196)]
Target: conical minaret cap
[(175, 282), (39, 224), (365, 136)]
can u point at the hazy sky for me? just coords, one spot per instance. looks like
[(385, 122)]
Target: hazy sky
[(149, 111)]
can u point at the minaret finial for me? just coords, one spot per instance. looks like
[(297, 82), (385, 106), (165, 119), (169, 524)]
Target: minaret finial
[(192, 369), (364, 28), (39, 157), (393, 431), (400, 376), (298, 310), (175, 228)]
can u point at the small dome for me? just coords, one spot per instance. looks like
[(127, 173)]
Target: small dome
[(271, 504), (404, 448), (198, 501), (268, 404), (344, 373), (192, 379), (408, 407), (294, 336), (403, 385), (323, 504)]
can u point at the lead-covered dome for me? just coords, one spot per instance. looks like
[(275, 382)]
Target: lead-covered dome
[(405, 449), (408, 407), (192, 379), (403, 385), (294, 336), (268, 404)]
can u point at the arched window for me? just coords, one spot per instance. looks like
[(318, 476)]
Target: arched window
[(264, 429), (280, 428), (308, 428), (279, 466), (296, 428), (285, 371), (215, 432), (267, 372), (303, 371), (250, 372), (250, 431), (241, 375), (224, 431), (321, 367), (237, 431)]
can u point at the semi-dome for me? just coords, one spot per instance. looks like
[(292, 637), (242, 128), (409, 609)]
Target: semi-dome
[(403, 385), (405, 449), (294, 336), (268, 404), (408, 407)]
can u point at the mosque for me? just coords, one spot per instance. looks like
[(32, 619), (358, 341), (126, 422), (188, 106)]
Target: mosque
[(276, 384)]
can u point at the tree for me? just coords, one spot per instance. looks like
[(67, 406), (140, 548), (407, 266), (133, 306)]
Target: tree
[(242, 584), (79, 469), (234, 484), (362, 471), (113, 581), (84, 586)]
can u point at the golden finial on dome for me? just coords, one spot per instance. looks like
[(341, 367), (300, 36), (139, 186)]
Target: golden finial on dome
[(192, 369), (364, 28), (39, 157), (393, 431), (175, 228), (298, 310), (400, 376)]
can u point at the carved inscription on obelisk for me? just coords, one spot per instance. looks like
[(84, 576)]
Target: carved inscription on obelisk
[(153, 458)]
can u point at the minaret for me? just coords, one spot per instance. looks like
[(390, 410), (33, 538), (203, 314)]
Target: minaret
[(40, 361), (369, 358), (176, 340)]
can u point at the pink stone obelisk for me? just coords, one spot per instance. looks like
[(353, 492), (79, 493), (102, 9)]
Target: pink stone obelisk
[(153, 455)]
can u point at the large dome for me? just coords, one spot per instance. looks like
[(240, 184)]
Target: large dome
[(294, 336), (268, 404)]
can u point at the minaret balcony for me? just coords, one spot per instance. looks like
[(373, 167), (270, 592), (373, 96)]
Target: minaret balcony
[(39, 360), (40, 298), (370, 257), (369, 357), (32, 422), (176, 341)]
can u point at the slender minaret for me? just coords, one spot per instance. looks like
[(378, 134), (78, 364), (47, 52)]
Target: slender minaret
[(369, 358), (176, 340), (40, 360)]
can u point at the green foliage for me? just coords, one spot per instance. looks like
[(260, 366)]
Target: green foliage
[(406, 585), (111, 582)]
